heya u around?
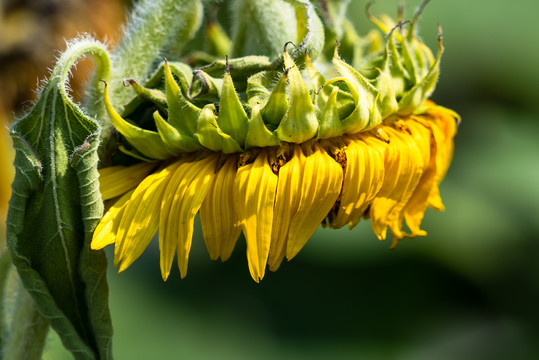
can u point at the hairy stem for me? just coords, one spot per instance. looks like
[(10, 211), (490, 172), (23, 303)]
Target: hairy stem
[(153, 25)]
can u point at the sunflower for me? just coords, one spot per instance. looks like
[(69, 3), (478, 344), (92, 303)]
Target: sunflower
[(278, 154)]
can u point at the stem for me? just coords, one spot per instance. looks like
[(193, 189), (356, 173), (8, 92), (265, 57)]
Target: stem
[(77, 49), (28, 331), (153, 25)]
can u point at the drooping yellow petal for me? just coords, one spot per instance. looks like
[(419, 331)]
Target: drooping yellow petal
[(404, 165), (254, 195), (374, 176), (220, 225), (446, 120), (443, 125), (437, 161), (418, 161), (286, 205), (363, 179), (168, 231), (105, 232), (320, 187), (141, 217), (414, 210), (182, 200), (117, 180)]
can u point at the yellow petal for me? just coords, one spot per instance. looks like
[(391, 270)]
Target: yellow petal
[(105, 232), (320, 187), (404, 165), (117, 180), (363, 179), (141, 217), (439, 158), (414, 210), (254, 194), (168, 232), (443, 125), (444, 119), (220, 225), (182, 200), (286, 205), (374, 176)]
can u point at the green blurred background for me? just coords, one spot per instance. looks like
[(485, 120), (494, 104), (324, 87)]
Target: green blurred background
[(469, 290)]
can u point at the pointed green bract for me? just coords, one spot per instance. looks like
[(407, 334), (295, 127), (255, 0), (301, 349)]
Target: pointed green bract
[(54, 209), (300, 122), (366, 115), (275, 109), (210, 135), (259, 135), (155, 96), (148, 142), (183, 72), (174, 141), (330, 124), (425, 87), (205, 87), (232, 117), (182, 114), (392, 77), (320, 92)]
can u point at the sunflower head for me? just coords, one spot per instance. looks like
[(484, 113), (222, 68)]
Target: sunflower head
[(273, 149)]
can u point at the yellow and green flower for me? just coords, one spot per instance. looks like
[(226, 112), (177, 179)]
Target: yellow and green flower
[(278, 153)]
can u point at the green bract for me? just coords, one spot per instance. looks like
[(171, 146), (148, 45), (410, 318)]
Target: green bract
[(268, 104)]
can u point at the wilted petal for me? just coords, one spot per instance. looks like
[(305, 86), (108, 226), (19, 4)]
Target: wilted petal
[(255, 189), (220, 225)]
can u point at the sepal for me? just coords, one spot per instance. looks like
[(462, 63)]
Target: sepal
[(300, 122), (259, 135), (211, 136)]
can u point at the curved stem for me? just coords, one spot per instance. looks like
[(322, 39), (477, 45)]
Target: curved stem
[(28, 331), (75, 50)]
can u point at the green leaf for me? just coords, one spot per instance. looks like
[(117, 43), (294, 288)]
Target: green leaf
[(54, 209)]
